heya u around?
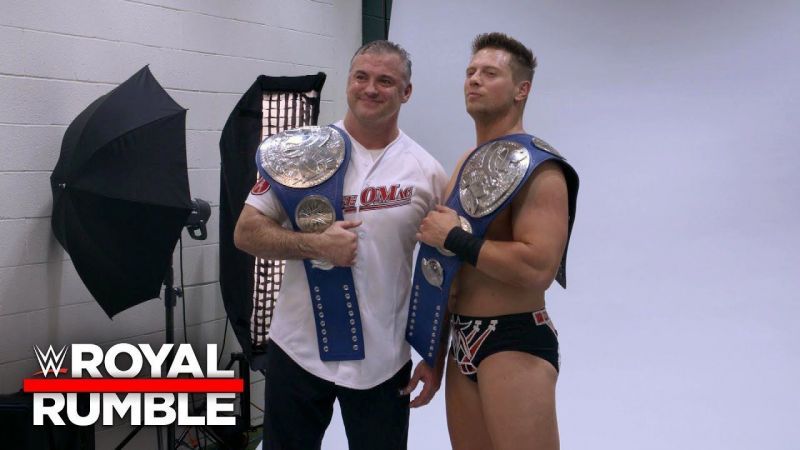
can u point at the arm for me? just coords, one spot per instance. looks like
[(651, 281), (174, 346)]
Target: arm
[(261, 236), (539, 224), (539, 221), (431, 377)]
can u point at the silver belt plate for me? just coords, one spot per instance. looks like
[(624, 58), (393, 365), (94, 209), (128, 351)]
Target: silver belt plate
[(314, 214), (490, 176), (433, 271), (302, 157)]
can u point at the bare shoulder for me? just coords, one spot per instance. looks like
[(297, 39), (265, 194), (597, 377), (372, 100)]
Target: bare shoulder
[(547, 182), (542, 207)]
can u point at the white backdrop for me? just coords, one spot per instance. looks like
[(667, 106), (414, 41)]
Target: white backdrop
[(680, 325)]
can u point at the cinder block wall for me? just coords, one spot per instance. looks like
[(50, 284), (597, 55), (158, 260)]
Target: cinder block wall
[(56, 57)]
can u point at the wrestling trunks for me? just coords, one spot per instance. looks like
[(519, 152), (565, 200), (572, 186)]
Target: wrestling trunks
[(475, 338)]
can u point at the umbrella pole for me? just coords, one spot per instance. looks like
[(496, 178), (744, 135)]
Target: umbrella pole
[(170, 300), (170, 295)]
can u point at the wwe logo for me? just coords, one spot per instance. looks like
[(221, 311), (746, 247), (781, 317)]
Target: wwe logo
[(51, 361)]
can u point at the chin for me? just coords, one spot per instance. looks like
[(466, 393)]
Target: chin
[(476, 111), (369, 111), (370, 117)]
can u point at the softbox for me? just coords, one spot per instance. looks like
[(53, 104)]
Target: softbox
[(250, 285)]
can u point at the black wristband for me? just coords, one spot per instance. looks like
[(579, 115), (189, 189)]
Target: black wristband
[(464, 245)]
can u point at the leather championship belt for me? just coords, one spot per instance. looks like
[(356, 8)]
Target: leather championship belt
[(306, 168), (488, 181)]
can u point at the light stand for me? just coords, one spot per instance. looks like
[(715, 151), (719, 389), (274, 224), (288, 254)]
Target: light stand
[(196, 226), (226, 436), (170, 300)]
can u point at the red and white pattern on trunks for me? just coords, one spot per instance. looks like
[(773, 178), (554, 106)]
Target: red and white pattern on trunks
[(542, 318), (467, 343)]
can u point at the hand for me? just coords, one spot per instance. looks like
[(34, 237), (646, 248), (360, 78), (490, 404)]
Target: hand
[(338, 243), (431, 379), (436, 225)]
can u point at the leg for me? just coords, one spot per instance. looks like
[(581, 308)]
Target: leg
[(298, 406), (517, 391), (377, 418), (464, 415)]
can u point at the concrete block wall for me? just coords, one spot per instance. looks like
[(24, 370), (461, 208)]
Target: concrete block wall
[(57, 57)]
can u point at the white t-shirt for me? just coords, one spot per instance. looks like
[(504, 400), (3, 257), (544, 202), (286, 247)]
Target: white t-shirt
[(391, 194)]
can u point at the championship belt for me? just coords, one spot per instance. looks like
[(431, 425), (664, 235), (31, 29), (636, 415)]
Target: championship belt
[(487, 183), (306, 168)]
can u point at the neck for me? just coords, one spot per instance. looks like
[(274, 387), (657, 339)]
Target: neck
[(372, 136), (488, 128)]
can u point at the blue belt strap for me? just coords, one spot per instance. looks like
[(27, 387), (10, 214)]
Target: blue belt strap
[(333, 293)]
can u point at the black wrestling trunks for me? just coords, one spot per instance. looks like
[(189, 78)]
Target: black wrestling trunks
[(475, 338)]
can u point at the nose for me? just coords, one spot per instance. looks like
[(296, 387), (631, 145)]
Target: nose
[(370, 89), (474, 79)]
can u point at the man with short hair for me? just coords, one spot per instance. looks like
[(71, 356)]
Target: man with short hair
[(389, 185), (501, 377)]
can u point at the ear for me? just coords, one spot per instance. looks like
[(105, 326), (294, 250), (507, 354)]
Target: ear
[(406, 93), (523, 90)]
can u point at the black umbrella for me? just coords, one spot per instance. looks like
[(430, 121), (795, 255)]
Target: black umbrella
[(121, 191)]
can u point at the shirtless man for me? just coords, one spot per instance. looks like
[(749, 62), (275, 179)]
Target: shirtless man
[(501, 377)]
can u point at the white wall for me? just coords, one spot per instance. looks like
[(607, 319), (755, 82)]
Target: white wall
[(56, 57), (680, 325)]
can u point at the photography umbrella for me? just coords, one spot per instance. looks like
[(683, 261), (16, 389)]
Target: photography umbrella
[(121, 191)]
